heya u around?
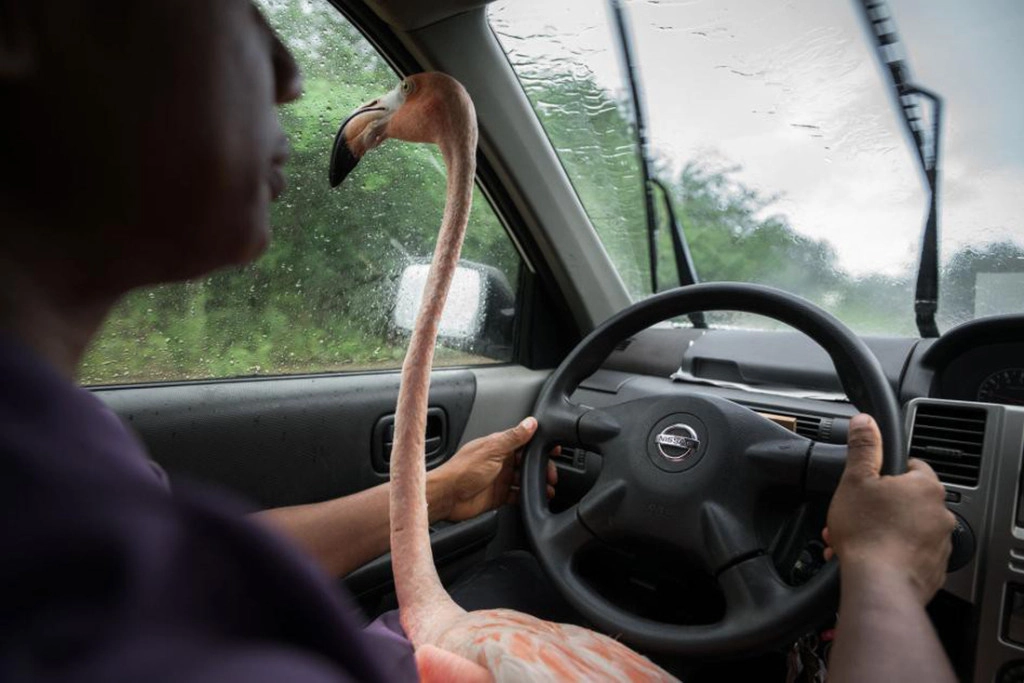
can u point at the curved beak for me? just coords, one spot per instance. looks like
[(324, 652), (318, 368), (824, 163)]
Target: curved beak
[(363, 130)]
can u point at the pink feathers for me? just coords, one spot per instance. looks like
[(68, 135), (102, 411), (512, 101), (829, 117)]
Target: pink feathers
[(517, 647), (433, 107)]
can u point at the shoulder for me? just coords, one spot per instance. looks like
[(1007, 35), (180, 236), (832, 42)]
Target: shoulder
[(119, 576), (102, 566)]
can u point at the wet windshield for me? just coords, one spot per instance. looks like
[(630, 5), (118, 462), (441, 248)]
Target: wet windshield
[(777, 135)]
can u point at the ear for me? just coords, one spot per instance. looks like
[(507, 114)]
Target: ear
[(18, 40)]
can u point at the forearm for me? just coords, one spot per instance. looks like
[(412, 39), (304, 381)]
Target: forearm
[(346, 533), (884, 633)]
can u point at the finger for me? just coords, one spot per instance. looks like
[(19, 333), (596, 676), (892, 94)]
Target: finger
[(920, 467), (864, 455), (947, 545), (506, 477), (552, 473), (518, 436), (512, 493), (828, 553), (551, 492), (950, 520), (556, 451), (825, 536)]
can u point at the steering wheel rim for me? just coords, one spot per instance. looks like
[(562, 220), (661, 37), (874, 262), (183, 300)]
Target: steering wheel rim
[(766, 613)]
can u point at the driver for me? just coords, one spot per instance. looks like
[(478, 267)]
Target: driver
[(141, 145)]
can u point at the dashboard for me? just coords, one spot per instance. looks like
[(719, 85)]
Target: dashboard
[(963, 401), (989, 373), (981, 361)]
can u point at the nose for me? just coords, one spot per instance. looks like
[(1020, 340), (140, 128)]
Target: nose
[(287, 75)]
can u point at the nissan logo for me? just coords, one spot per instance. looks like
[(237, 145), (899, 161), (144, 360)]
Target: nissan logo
[(678, 442)]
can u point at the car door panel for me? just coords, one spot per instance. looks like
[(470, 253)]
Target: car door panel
[(281, 441), (294, 440)]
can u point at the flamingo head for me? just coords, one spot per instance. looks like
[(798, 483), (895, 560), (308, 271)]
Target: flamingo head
[(428, 107)]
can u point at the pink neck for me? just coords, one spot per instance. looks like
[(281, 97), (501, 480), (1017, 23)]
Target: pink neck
[(425, 605)]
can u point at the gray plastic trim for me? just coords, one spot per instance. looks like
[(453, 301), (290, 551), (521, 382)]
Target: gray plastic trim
[(279, 441), (990, 510), (504, 395)]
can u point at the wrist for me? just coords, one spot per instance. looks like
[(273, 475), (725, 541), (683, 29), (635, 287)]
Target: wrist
[(868, 576), (439, 495)]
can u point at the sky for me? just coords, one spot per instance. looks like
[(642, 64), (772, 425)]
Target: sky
[(790, 90)]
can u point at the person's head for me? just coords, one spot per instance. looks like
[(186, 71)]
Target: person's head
[(140, 140)]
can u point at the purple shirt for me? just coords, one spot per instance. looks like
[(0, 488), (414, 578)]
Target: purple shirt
[(105, 576)]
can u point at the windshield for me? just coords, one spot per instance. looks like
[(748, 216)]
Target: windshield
[(784, 154)]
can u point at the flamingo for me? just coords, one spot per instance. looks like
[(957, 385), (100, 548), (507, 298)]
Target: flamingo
[(450, 643)]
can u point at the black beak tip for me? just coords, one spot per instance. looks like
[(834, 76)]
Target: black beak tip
[(342, 159)]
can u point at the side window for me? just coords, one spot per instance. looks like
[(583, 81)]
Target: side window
[(333, 290)]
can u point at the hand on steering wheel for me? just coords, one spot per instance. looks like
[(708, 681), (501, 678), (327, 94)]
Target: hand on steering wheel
[(897, 525), (687, 470)]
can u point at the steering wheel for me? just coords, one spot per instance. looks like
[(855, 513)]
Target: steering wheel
[(687, 471)]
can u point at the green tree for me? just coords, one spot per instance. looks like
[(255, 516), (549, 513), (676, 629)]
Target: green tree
[(596, 143), (733, 240)]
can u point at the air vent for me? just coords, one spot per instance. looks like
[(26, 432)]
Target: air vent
[(810, 425), (624, 344), (949, 438)]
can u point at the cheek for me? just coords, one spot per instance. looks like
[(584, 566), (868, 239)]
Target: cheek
[(235, 229), (209, 192), (236, 166), (202, 230), (248, 231)]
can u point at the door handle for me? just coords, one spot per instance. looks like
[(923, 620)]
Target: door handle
[(436, 439)]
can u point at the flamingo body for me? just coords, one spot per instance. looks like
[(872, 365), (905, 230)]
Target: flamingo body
[(503, 645), (514, 646)]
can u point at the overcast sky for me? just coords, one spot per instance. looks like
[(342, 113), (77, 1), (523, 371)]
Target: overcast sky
[(791, 91)]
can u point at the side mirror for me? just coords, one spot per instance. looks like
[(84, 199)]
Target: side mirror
[(479, 313)]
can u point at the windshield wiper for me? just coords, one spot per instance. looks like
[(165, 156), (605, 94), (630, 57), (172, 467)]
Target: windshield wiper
[(684, 262), (680, 248), (910, 97)]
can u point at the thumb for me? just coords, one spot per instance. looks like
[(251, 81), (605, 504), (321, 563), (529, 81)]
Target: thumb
[(519, 435), (864, 455)]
